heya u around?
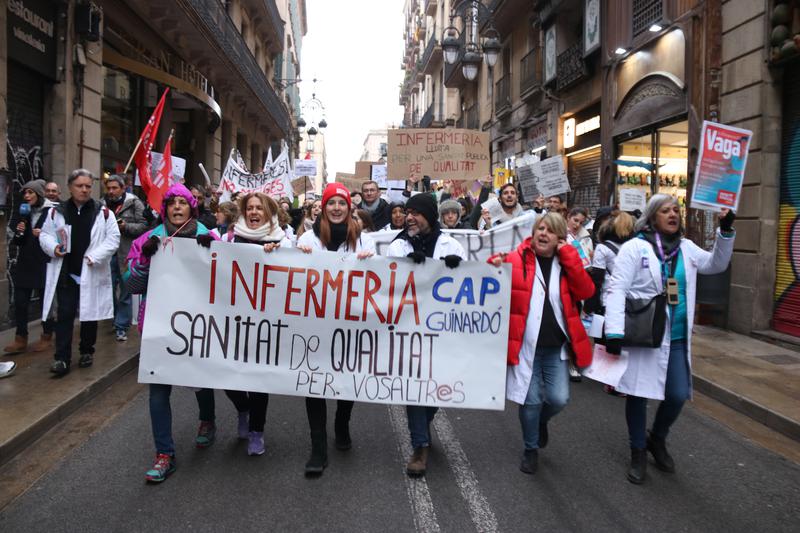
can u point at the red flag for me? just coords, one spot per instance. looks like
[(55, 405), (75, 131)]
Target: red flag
[(142, 155), (308, 155), (163, 178)]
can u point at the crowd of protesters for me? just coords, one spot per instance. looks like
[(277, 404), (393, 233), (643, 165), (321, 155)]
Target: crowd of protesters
[(87, 257)]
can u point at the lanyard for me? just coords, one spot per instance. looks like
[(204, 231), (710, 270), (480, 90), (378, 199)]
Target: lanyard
[(666, 259)]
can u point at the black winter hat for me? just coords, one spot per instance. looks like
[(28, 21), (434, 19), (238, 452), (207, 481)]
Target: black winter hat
[(425, 205)]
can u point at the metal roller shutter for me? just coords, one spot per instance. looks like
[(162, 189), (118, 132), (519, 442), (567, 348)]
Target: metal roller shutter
[(25, 124), (786, 318), (583, 171)]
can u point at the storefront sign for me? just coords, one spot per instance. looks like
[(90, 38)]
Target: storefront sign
[(582, 130), (536, 137), (32, 35), (550, 54), (454, 154), (322, 325), (591, 27), (632, 199), (720, 167)]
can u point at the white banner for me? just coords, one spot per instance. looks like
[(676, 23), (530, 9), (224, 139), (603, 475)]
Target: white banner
[(324, 325), (276, 182), (479, 245), (305, 167)]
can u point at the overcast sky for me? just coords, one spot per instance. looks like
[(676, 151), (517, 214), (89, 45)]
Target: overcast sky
[(354, 48)]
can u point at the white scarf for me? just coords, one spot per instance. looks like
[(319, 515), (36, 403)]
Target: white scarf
[(269, 232)]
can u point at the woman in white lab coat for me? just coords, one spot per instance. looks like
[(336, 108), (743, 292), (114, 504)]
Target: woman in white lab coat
[(659, 257)]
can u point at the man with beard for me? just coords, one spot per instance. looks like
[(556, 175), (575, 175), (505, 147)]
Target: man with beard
[(509, 201), (422, 239)]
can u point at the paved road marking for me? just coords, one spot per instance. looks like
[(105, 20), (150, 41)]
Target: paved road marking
[(419, 495), (479, 509)]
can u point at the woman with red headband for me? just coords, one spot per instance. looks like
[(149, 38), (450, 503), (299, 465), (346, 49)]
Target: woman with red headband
[(334, 230)]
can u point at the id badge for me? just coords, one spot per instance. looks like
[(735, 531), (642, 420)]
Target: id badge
[(672, 291)]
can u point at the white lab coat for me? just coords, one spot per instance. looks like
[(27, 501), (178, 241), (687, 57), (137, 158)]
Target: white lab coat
[(637, 275), (96, 299), (445, 245), (364, 243), (518, 377)]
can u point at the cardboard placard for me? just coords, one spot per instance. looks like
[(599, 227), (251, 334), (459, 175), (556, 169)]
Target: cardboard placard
[(439, 153)]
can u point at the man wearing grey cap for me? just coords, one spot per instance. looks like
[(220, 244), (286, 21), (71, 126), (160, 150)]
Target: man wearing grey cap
[(129, 211)]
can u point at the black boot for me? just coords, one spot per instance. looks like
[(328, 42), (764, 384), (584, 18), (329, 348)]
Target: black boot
[(638, 470), (319, 454), (530, 461), (341, 428), (658, 447)]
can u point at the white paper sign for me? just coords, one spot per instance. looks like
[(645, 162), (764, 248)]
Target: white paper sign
[(378, 175), (324, 325), (607, 368), (305, 167), (479, 245), (551, 178), (631, 199), (492, 205)]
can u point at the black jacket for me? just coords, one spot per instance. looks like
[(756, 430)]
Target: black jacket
[(382, 215), (31, 267)]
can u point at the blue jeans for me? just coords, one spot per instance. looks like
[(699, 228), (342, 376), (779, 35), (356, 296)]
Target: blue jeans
[(161, 414), (676, 392), (123, 309), (547, 395), (419, 424)]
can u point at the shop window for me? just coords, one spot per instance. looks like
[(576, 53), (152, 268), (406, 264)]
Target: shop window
[(118, 120), (657, 161), (645, 14)]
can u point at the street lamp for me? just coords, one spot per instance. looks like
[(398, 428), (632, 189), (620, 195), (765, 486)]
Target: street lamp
[(315, 110), (471, 12)]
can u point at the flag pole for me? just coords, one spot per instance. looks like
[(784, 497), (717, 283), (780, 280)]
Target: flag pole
[(138, 143)]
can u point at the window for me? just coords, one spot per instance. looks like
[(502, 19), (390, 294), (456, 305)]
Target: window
[(645, 14)]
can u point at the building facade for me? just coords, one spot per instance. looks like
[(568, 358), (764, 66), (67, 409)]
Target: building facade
[(620, 89), (375, 143), (79, 80)]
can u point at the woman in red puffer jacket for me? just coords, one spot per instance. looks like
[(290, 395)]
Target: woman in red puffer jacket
[(547, 282)]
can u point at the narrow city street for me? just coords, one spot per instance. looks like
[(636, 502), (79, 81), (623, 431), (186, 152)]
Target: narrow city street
[(724, 482)]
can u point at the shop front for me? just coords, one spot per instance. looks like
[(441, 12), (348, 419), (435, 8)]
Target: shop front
[(581, 141)]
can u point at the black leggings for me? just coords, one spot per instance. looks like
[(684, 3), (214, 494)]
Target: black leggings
[(22, 300), (317, 412), (254, 402)]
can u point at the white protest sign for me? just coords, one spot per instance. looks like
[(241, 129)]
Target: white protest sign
[(328, 326), (551, 179), (492, 205), (719, 175), (527, 182), (178, 168), (631, 199), (479, 245), (395, 190), (378, 175), (275, 183), (305, 167), (607, 368)]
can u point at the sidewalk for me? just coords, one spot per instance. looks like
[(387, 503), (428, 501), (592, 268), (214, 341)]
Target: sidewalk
[(32, 401), (756, 378)]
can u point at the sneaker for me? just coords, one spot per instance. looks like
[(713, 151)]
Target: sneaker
[(574, 374), (255, 445), (122, 336), (86, 360), (162, 468), (205, 434), (7, 368), (243, 427), (59, 367)]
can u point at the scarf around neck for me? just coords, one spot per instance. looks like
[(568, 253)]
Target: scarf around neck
[(269, 232), (422, 243), (338, 234), (670, 243), (188, 230)]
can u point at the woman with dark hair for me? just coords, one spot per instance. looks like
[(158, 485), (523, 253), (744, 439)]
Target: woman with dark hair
[(179, 213), (364, 220), (659, 261), (259, 224), (398, 217), (30, 272), (311, 211), (334, 231)]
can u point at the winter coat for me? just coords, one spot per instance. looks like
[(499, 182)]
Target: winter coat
[(96, 298), (445, 245), (364, 244), (132, 213), (569, 283), (139, 264), (382, 214), (31, 268), (637, 275)]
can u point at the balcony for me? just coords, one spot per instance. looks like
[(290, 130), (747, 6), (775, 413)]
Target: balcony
[(502, 96), (570, 67), (432, 56), (419, 73), (531, 73), (265, 14), (427, 118), (468, 118), (430, 7), (453, 77)]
